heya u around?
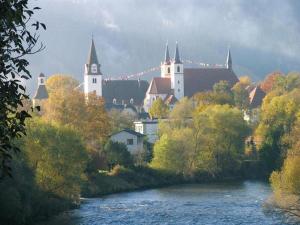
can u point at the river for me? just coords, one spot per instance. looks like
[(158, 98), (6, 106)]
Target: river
[(229, 203)]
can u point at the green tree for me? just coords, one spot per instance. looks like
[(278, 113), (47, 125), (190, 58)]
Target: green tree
[(277, 118), (117, 154), (57, 156), (120, 120), (240, 96), (16, 42), (220, 134), (159, 109)]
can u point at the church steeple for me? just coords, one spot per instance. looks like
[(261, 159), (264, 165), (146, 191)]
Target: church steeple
[(177, 57), (229, 60), (167, 55), (92, 74), (92, 58)]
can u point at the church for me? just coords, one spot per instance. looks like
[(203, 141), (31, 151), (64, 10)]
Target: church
[(175, 82)]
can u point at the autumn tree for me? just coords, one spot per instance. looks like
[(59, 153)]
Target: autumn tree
[(58, 82), (220, 132), (277, 118), (19, 38), (159, 109), (269, 81), (69, 107), (57, 156)]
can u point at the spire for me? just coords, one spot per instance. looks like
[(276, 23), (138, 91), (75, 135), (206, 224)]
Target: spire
[(177, 57), (167, 55), (229, 60), (92, 59)]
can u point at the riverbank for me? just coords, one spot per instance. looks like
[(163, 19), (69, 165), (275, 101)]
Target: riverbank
[(122, 179)]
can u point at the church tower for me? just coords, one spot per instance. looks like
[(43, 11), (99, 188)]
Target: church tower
[(92, 73), (41, 93), (229, 60), (165, 66), (177, 75)]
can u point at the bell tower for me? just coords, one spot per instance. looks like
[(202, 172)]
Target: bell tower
[(177, 75), (165, 66), (92, 73)]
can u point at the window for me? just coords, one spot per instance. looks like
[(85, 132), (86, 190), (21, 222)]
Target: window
[(130, 141), (94, 80), (178, 82), (131, 101), (114, 101), (178, 90), (168, 69), (94, 68), (178, 69), (42, 81)]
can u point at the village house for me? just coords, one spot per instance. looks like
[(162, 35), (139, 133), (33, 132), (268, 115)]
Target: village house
[(133, 140)]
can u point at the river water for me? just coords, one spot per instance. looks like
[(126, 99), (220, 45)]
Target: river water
[(230, 203)]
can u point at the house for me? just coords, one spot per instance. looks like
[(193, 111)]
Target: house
[(147, 127), (133, 140), (176, 81)]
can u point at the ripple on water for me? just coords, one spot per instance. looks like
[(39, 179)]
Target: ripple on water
[(218, 204)]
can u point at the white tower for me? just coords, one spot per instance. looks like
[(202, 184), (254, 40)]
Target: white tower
[(165, 66), (177, 76), (92, 74), (41, 93)]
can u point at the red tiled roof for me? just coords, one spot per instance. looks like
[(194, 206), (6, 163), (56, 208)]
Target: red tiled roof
[(203, 79), (160, 85)]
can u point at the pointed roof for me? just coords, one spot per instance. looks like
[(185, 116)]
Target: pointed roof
[(177, 57), (256, 97), (92, 58), (167, 55), (229, 60), (42, 75), (160, 85)]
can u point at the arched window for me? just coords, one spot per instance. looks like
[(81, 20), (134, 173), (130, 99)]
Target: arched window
[(178, 82), (131, 101), (169, 70), (178, 90), (94, 80), (178, 69), (114, 101)]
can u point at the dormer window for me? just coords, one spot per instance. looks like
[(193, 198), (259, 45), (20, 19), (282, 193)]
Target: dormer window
[(178, 69), (131, 101), (114, 101), (94, 68)]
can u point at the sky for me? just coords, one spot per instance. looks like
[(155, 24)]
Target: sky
[(130, 35)]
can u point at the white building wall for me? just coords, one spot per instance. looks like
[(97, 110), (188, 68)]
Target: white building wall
[(148, 128), (90, 87), (123, 137), (177, 80)]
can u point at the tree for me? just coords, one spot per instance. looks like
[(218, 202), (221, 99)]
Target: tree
[(58, 82), (117, 154), (16, 42), (171, 151), (240, 96), (219, 134), (58, 157), (277, 118), (69, 107), (159, 109), (120, 120), (270, 80)]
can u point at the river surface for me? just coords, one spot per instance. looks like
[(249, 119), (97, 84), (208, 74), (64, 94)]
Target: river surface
[(230, 203)]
